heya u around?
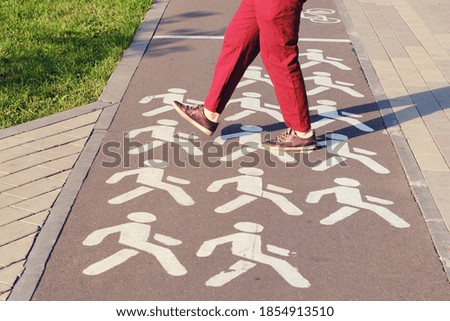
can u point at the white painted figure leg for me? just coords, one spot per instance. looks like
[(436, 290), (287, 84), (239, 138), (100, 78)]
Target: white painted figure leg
[(283, 203), (128, 196), (178, 194), (387, 215), (240, 115), (235, 204), (110, 262), (339, 215), (234, 271), (289, 273), (165, 257)]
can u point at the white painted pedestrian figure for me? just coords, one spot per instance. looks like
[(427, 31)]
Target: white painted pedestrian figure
[(152, 177), (348, 194), (337, 145), (247, 246), (252, 75), (251, 103), (135, 235), (328, 111), (162, 133), (250, 184), (173, 94), (316, 57), (324, 82), (250, 140)]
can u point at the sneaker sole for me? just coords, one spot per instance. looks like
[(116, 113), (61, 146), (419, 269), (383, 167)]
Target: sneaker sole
[(190, 120)]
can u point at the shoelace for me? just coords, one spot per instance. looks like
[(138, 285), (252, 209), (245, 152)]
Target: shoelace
[(283, 137), (194, 106)]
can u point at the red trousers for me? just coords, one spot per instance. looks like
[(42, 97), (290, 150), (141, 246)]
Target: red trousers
[(269, 27)]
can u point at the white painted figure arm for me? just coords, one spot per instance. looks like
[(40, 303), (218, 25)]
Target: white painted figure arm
[(346, 113), (364, 151), (378, 200), (186, 136), (217, 185), (314, 197), (195, 102), (208, 247), (278, 250), (278, 189), (167, 240), (146, 99), (119, 176), (343, 83), (272, 106), (136, 132), (97, 237), (177, 180)]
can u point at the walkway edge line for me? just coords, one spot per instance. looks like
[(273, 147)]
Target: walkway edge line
[(112, 95), (430, 212)]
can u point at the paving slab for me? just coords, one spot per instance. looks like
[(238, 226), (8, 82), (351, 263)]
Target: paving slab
[(295, 227), (15, 251), (9, 274), (15, 231)]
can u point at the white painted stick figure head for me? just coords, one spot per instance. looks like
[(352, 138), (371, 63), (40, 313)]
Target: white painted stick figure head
[(167, 122), (347, 182), (249, 227), (177, 91), (326, 102), (251, 129), (251, 171), (338, 137), (251, 95), (141, 217)]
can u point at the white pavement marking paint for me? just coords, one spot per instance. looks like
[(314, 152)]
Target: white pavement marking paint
[(315, 57), (320, 15), (221, 38), (252, 75), (162, 133), (173, 94), (251, 103), (251, 185), (130, 195), (328, 111), (337, 144), (135, 235), (348, 194), (250, 141), (152, 177), (247, 245), (324, 82)]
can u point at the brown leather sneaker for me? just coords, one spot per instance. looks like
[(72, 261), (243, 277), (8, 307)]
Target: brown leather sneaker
[(196, 116), (290, 141)]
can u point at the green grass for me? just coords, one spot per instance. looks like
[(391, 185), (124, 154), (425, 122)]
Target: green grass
[(59, 54)]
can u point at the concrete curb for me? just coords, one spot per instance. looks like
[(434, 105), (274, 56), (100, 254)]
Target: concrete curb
[(109, 101), (417, 182)]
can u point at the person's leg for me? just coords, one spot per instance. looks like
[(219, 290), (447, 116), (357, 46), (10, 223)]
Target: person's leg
[(279, 22), (240, 47)]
